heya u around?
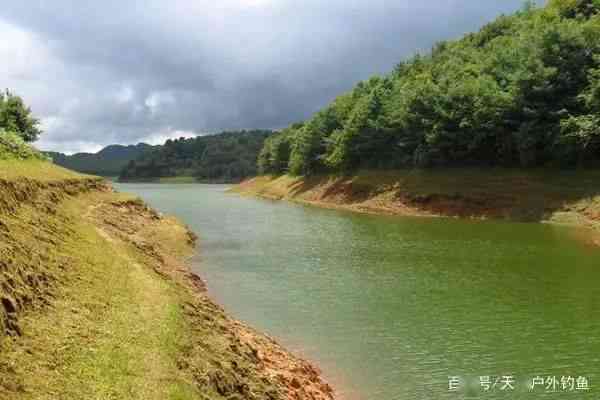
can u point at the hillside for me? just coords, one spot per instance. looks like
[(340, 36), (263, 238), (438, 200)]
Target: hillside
[(96, 301), (107, 162), (223, 157), (522, 92)]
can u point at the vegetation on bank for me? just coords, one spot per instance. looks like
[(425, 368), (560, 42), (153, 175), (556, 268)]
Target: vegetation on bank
[(224, 157), (96, 302), (17, 128), (524, 91), (19, 160), (16, 117), (13, 147), (40, 170)]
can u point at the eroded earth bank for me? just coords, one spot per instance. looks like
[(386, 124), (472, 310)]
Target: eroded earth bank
[(97, 302)]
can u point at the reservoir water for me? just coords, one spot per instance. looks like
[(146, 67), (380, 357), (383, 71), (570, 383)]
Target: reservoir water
[(403, 308)]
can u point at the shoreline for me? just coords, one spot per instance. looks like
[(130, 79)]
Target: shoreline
[(127, 284), (516, 197), (300, 377), (181, 180)]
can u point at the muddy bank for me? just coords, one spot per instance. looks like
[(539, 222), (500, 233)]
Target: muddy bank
[(571, 198), (81, 265), (245, 364)]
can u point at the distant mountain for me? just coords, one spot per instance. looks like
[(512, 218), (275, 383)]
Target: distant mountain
[(107, 162), (224, 157)]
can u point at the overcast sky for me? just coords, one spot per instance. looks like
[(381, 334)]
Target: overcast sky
[(103, 72)]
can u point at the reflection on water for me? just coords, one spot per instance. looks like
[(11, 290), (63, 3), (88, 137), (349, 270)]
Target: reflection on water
[(391, 308)]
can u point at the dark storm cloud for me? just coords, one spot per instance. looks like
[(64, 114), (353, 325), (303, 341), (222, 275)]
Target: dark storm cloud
[(116, 71)]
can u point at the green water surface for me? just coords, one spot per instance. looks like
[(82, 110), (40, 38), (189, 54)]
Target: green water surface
[(391, 307)]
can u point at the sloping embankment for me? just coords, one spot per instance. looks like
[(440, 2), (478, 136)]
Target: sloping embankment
[(564, 197), (96, 302), (25, 278)]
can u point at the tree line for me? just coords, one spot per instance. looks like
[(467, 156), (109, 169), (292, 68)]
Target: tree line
[(109, 161), (223, 157), (524, 91)]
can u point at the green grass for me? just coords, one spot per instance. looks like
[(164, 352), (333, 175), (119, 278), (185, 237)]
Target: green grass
[(114, 332), (20, 160), (118, 318), (35, 169), (107, 310)]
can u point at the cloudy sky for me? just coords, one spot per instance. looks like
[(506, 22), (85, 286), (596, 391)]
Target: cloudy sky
[(102, 72)]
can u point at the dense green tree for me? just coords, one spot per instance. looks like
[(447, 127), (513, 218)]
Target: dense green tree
[(361, 135), (576, 8), (275, 154), (523, 91), (107, 162), (224, 157), (309, 143), (582, 132), (16, 117)]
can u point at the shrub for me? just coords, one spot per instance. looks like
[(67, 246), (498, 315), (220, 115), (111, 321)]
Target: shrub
[(12, 146)]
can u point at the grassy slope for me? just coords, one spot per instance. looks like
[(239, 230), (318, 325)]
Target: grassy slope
[(112, 330), (102, 306), (36, 169), (567, 196)]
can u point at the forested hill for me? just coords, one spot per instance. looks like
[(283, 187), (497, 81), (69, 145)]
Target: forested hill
[(223, 157), (107, 162), (523, 91)]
